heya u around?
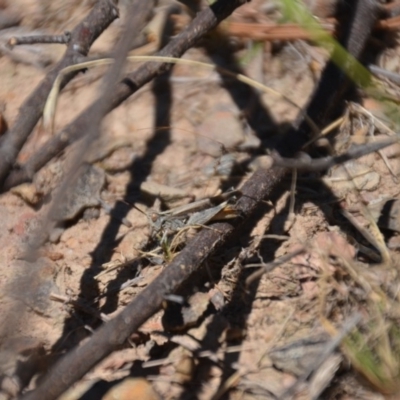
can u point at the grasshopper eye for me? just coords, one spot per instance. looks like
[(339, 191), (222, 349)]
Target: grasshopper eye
[(154, 217)]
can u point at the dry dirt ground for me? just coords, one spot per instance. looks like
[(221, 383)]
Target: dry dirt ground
[(231, 338)]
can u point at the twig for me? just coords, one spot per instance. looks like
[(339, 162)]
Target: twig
[(82, 38), (288, 31), (79, 305), (347, 327), (269, 32), (34, 39), (270, 266), (392, 76), (392, 23), (306, 163), (364, 232)]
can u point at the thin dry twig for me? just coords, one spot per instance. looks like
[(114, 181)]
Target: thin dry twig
[(79, 305), (44, 39), (306, 163), (82, 38), (268, 267), (347, 327)]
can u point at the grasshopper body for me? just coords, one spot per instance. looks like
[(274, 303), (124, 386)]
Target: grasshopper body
[(193, 214)]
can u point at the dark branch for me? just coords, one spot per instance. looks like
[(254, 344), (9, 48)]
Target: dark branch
[(306, 163), (34, 39), (82, 38)]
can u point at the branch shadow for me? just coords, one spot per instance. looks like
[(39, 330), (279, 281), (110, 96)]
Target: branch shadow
[(246, 98)]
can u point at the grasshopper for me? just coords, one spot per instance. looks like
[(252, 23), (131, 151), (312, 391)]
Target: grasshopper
[(197, 213)]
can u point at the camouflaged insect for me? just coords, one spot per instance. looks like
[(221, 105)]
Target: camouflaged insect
[(193, 214)]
